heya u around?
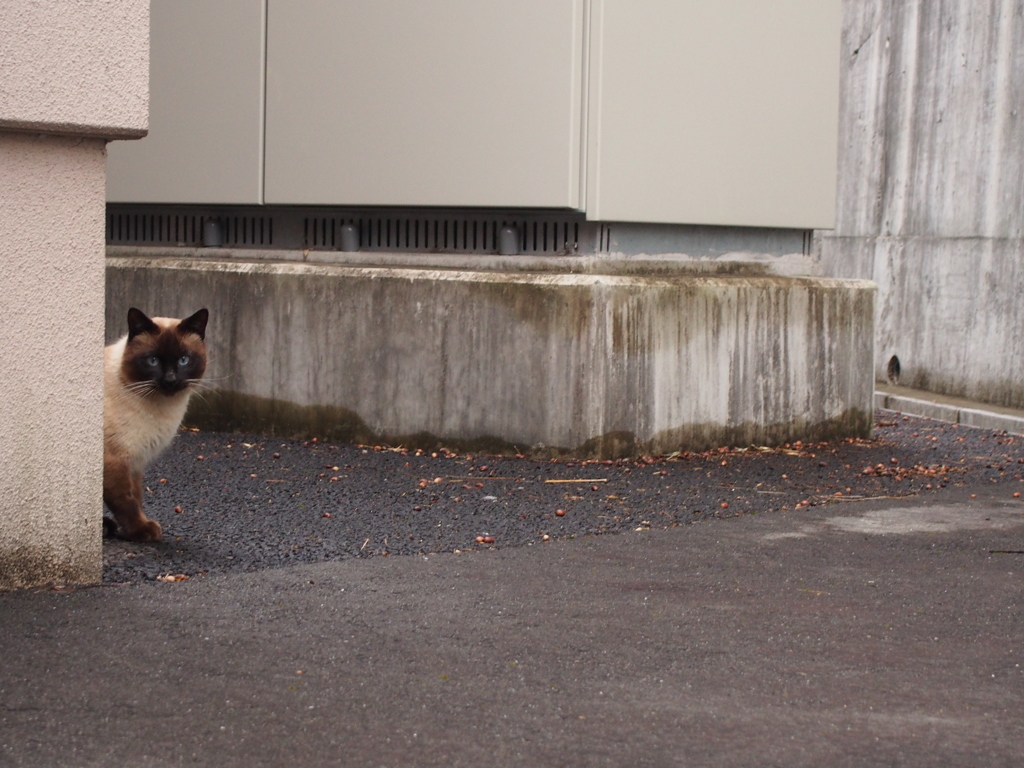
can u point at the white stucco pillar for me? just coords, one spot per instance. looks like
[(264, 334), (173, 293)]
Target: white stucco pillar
[(73, 75)]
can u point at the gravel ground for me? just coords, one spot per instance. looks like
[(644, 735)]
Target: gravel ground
[(230, 502)]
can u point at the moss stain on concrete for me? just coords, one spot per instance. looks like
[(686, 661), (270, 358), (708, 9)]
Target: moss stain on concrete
[(28, 565), (223, 411)]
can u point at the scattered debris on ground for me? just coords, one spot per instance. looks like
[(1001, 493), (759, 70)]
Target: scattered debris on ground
[(241, 502)]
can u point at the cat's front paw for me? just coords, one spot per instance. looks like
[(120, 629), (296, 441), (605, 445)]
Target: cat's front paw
[(148, 530)]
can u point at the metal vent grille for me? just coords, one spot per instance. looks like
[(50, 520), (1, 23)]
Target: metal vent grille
[(442, 234), (430, 230), (135, 228)]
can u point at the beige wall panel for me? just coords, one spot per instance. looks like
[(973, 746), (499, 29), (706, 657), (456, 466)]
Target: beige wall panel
[(714, 112), (401, 102), (205, 142)]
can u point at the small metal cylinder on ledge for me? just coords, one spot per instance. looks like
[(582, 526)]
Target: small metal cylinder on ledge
[(213, 233), (349, 238), (508, 241)]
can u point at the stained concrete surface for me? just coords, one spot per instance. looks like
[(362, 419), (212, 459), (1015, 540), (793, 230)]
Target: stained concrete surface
[(665, 361), (883, 631), (931, 189)]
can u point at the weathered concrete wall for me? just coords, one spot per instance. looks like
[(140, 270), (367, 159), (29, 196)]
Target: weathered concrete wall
[(931, 188), (597, 364), (79, 69)]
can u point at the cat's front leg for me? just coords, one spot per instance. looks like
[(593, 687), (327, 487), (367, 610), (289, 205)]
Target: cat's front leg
[(122, 493)]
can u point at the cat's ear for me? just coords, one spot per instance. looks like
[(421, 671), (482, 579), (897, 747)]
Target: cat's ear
[(139, 323), (195, 323)]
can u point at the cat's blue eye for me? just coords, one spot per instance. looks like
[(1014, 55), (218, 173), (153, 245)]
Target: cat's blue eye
[(153, 361), (183, 360)]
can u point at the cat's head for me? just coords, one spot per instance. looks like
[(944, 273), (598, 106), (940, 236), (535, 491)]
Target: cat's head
[(162, 354)]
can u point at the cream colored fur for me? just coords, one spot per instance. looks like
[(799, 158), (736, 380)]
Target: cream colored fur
[(137, 426)]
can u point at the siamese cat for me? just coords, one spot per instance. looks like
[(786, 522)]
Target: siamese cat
[(148, 377)]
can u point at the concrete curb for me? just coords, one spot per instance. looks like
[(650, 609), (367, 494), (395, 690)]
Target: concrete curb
[(951, 412)]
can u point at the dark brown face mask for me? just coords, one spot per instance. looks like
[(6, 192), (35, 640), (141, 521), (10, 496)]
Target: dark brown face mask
[(164, 359)]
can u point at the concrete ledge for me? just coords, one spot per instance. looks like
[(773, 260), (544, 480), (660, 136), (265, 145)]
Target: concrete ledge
[(913, 406), (73, 129), (915, 402), (736, 264), (588, 363)]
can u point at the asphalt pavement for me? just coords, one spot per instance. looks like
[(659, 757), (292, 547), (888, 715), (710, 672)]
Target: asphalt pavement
[(880, 627)]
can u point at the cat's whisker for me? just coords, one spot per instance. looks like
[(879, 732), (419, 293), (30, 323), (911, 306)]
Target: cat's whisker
[(198, 395), (145, 388)]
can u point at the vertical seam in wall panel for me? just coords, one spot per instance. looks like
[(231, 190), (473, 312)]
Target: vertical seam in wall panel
[(581, 197), (593, 165), (262, 195)]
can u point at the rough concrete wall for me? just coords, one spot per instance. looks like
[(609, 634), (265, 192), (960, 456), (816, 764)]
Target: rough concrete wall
[(591, 363), (78, 67), (931, 188), (75, 66), (51, 334)]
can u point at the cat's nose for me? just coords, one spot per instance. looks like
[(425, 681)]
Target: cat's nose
[(170, 377)]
